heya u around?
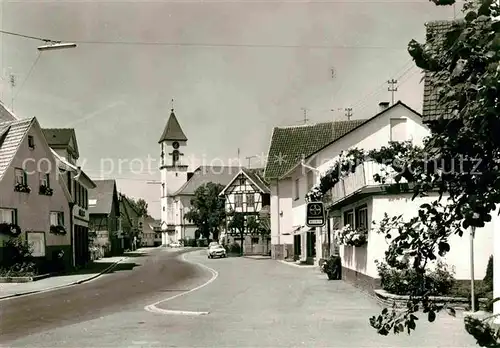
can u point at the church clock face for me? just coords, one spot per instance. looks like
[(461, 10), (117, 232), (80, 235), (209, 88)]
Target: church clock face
[(175, 145)]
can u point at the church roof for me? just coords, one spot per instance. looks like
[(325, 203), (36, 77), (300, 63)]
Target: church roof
[(173, 130)]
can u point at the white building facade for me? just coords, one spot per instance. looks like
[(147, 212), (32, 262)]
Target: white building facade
[(173, 169)]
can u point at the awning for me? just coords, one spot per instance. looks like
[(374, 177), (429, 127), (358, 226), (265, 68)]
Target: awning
[(304, 229), (293, 231)]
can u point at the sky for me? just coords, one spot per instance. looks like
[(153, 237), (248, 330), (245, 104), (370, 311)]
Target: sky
[(235, 70)]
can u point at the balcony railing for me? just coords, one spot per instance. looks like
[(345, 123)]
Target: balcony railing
[(362, 177)]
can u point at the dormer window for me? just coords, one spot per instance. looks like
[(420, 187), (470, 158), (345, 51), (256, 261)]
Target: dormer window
[(31, 142)]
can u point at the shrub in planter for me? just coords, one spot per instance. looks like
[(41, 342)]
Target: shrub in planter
[(18, 260), (333, 267), (408, 281)]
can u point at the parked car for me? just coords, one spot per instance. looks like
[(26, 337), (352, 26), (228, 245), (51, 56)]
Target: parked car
[(216, 250), (175, 245)]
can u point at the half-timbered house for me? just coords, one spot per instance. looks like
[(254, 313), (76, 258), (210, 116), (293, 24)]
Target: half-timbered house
[(104, 224), (248, 196)]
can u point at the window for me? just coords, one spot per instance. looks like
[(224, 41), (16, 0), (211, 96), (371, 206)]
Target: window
[(349, 218), (163, 189), (85, 198), (56, 218), (250, 200), (297, 188), (21, 177), (398, 129), (242, 181), (37, 241), (310, 180), (44, 179), (31, 142), (362, 217), (8, 216), (255, 240), (238, 200)]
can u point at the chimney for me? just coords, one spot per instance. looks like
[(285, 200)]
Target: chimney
[(189, 175), (383, 105)]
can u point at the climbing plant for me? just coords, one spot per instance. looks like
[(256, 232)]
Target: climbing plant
[(460, 159)]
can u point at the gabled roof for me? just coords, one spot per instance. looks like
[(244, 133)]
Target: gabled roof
[(14, 133), (6, 114), (290, 144), (173, 130), (66, 166), (363, 122), (437, 32), (205, 174), (104, 194), (61, 138), (250, 175)]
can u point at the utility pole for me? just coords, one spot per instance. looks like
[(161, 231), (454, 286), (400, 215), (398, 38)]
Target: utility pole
[(348, 113), (392, 88), (305, 115), (249, 159)]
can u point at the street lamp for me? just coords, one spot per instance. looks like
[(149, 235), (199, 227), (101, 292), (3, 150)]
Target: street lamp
[(56, 46)]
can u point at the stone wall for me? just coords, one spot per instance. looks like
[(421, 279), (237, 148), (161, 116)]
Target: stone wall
[(282, 251), (387, 300)]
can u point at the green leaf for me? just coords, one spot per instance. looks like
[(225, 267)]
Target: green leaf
[(451, 311)]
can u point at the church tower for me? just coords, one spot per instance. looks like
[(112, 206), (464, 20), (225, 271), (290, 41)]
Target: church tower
[(173, 171)]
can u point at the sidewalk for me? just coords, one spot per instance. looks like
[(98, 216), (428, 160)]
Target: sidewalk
[(8, 290)]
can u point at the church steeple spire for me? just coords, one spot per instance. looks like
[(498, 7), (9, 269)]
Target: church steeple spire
[(173, 130)]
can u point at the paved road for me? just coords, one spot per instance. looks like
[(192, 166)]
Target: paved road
[(252, 303), (139, 279)]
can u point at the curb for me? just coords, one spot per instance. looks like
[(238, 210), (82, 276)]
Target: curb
[(293, 264), (78, 282)]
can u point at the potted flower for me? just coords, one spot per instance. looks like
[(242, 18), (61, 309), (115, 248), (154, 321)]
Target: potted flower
[(332, 267), (351, 237), (9, 229), (20, 187), (45, 190), (57, 229)]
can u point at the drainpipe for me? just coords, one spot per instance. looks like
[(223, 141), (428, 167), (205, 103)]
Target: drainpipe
[(279, 216), (72, 232)]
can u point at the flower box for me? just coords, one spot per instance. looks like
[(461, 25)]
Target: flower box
[(45, 190), (9, 229), (22, 188), (60, 230), (351, 237)]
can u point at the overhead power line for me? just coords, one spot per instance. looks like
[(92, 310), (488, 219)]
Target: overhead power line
[(236, 45), (29, 36)]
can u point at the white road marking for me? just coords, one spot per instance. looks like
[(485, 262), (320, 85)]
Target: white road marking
[(154, 309)]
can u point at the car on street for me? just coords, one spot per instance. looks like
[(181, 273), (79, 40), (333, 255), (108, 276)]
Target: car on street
[(216, 250), (175, 245)]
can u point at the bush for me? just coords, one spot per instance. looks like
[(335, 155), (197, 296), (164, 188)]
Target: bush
[(333, 267), (17, 260), (233, 248), (409, 282)]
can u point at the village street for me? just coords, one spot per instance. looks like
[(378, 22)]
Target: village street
[(249, 302)]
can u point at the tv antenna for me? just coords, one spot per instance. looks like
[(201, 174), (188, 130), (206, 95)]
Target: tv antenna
[(348, 113), (392, 88), (305, 115)]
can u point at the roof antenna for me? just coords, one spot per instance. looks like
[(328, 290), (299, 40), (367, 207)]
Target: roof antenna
[(172, 105)]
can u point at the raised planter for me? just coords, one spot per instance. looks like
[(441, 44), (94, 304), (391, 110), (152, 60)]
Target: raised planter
[(25, 279), (461, 303)]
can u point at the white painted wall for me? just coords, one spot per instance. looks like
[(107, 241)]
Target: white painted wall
[(373, 135), (281, 224), (362, 259)]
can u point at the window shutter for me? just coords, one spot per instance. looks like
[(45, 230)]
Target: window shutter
[(48, 179), (25, 176)]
